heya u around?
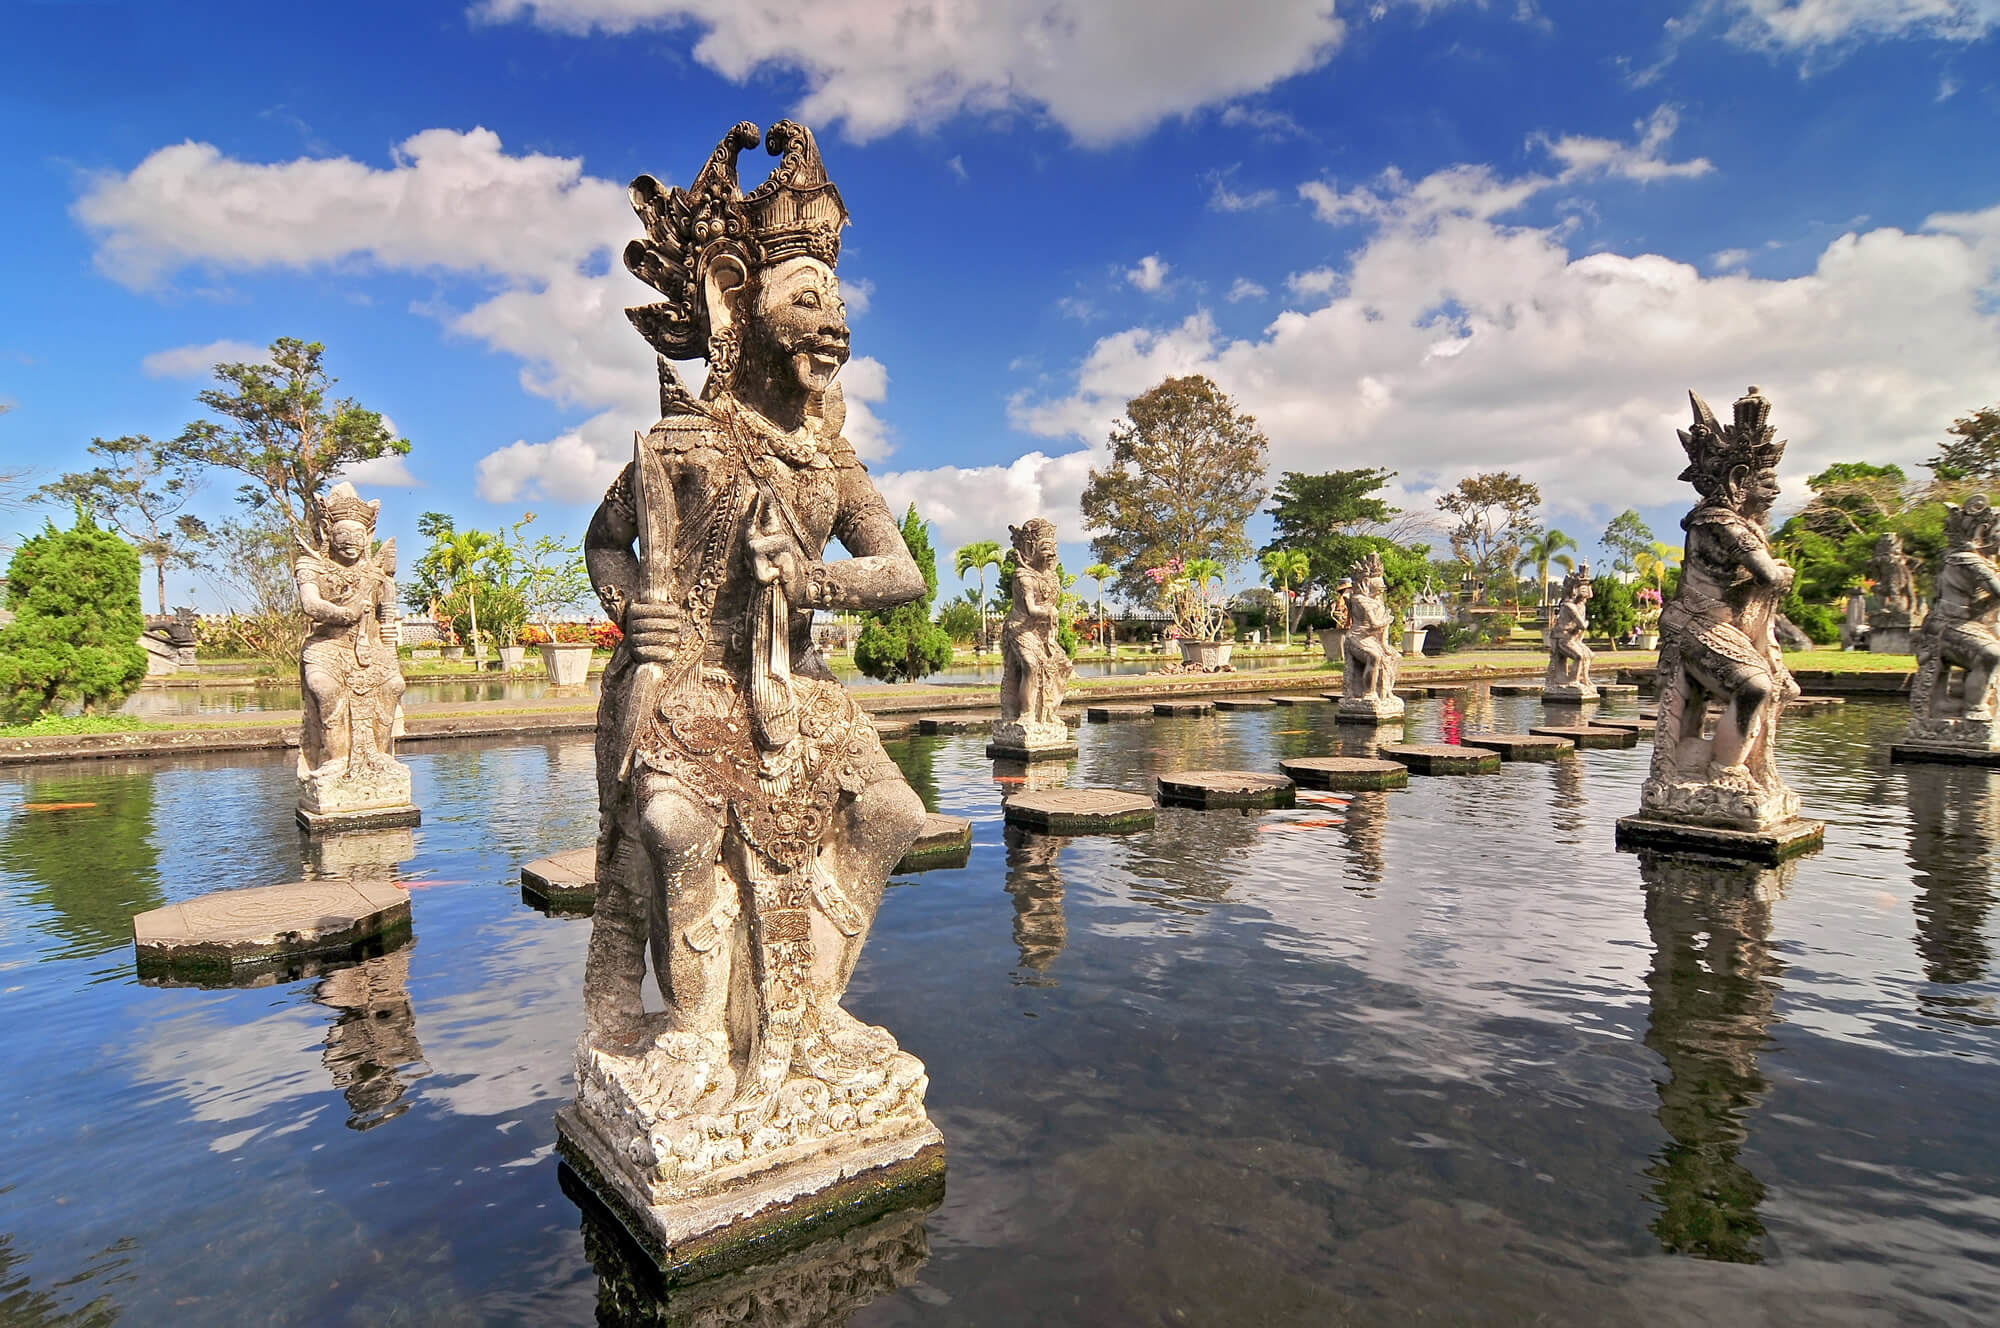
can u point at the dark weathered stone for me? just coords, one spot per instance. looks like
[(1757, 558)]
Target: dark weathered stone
[(1589, 735), (375, 818), (1244, 703), (1226, 788), (1520, 746), (1109, 714), (1183, 707), (1345, 773), (1431, 758), (946, 841), (563, 882), (1517, 689), (212, 934), (1942, 754), (1000, 751), (1080, 811), (1783, 840)]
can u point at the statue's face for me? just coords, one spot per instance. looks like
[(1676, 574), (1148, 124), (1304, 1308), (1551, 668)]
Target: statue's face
[(347, 541), (798, 325), (1754, 490), (1036, 549)]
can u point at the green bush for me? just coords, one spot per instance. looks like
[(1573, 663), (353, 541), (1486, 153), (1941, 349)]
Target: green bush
[(75, 636), (1817, 621), (1613, 611), (902, 644), (959, 620)]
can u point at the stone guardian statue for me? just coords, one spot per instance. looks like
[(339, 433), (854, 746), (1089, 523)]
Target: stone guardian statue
[(1895, 598), (1370, 659), (350, 681), (1718, 642), (1035, 668), (1568, 678), (749, 817), (1953, 699)]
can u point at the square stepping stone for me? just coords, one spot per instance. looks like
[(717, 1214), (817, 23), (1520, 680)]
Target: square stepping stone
[(1297, 700), (1183, 707), (1520, 746), (1345, 773), (212, 935), (563, 882), (1227, 788), (1111, 714), (1630, 723), (1618, 688), (954, 723), (945, 841), (1517, 689), (1771, 845), (1080, 811), (1245, 703), (1436, 758), (1589, 735)]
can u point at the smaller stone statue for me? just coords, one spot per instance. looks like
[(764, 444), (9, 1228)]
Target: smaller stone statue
[(1035, 669), (350, 681), (1368, 679), (1718, 643), (1953, 699), (1568, 678), (1895, 598)]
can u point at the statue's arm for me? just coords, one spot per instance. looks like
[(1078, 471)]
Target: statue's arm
[(607, 549), (881, 571), (1034, 595), (321, 609)]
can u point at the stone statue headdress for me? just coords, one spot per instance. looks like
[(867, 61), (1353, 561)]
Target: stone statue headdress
[(1970, 526), (1714, 450), (1577, 578), (342, 503), (1031, 531), (710, 237)]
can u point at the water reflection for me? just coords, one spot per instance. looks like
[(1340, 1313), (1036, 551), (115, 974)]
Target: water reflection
[(916, 757), (1714, 982), (84, 844), (1363, 826), (820, 1286), (1036, 885), (372, 1050), (1954, 843), (22, 1306)]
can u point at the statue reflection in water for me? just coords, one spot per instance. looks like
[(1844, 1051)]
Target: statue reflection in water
[(372, 1050), (1955, 852), (1714, 984), (1036, 885), (1363, 824), (820, 1286)]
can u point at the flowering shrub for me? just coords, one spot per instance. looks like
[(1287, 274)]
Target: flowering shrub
[(1193, 589), (1649, 604), (603, 635)]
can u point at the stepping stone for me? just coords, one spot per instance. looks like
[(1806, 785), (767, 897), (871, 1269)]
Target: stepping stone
[(1226, 788), (1436, 758), (1520, 746), (1299, 700), (563, 882), (1346, 773), (1245, 703), (1107, 714), (1814, 702), (1590, 735), (216, 934), (1183, 707), (1517, 689), (1630, 722), (890, 727), (945, 841), (1618, 688), (954, 723), (1410, 693), (1080, 811), (1770, 846)]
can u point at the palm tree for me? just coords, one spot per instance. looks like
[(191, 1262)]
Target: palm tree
[(460, 555), (1541, 549), (1283, 567), (1100, 573), (1653, 561), (977, 557)]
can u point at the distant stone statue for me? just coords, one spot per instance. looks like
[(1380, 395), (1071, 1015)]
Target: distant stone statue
[(1370, 659), (1895, 597), (749, 816), (1568, 677), (350, 681), (1035, 668), (1953, 700), (1718, 643)]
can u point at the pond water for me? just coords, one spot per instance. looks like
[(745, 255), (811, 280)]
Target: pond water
[(1436, 1055), (168, 702)]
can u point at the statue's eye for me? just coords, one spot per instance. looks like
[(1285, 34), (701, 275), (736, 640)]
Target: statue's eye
[(808, 299)]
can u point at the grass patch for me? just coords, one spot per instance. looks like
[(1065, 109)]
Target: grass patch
[(1848, 661), (70, 726)]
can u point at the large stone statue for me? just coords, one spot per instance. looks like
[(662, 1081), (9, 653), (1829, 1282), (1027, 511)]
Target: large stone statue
[(1958, 651), (1035, 668), (1718, 643), (350, 682), (1895, 598), (1370, 659), (749, 815), (1568, 678)]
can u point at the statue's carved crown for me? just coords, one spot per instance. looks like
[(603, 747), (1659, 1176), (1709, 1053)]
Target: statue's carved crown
[(795, 213), (342, 503), (1577, 578), (1714, 450), (1972, 525), (1368, 567)]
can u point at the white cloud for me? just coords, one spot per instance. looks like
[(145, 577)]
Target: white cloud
[(1150, 274), (199, 361), (1584, 157), (857, 293), (1102, 69), (574, 467), (1947, 88), (1245, 289), (1265, 123), (389, 471), (1224, 199), (957, 167), (968, 503), (1727, 260), (1813, 24), (1313, 282), (1072, 306)]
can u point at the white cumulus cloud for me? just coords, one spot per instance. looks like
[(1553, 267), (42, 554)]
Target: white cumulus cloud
[(1150, 274), (1244, 289), (1812, 24), (199, 361)]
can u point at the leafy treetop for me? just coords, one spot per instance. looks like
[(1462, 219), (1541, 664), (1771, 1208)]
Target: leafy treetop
[(141, 494), (75, 634), (1973, 451), (1491, 515)]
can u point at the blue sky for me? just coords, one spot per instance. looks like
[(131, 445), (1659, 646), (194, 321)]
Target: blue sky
[(1436, 235)]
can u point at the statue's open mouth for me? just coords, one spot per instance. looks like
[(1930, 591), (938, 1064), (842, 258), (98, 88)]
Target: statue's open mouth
[(826, 357)]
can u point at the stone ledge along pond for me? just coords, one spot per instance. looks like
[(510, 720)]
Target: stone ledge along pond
[(1436, 1054)]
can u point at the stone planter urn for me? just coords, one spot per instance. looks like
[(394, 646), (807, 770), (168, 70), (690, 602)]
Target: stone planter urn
[(453, 654), (1649, 641), (1206, 654), (568, 663), (1413, 640), (430, 654), (1333, 643), (512, 657)]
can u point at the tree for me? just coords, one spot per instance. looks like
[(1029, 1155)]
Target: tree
[(1100, 573), (458, 567), (546, 574), (1613, 610), (1186, 472), (1625, 537), (959, 620), (902, 644), (75, 634), (1285, 568), (284, 435), (1539, 549), (1318, 515), (1490, 515), (977, 557), (1974, 452), (141, 494), (1654, 562), (249, 559)]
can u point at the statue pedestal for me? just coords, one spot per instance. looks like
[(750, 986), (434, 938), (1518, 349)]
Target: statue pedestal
[(1369, 710), (372, 799), (1569, 693), (1889, 634), (1950, 741), (1023, 741), (1771, 844)]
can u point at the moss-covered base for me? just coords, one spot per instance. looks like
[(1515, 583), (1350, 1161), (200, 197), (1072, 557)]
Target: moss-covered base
[(1770, 846), (199, 967), (374, 818)]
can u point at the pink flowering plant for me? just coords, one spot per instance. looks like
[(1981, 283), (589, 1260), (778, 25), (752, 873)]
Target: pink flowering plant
[(1649, 602), (1192, 589)]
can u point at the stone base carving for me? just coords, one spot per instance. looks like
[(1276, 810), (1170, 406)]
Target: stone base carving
[(1569, 693), (1026, 740), (1726, 799), (1956, 741), (373, 797), (683, 1175), (1369, 709)]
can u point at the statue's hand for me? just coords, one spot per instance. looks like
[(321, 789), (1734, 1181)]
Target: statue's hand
[(653, 630), (775, 559), (1786, 575)]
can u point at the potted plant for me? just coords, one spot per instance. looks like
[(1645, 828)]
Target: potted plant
[(549, 577), (1649, 603), (1193, 589)]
